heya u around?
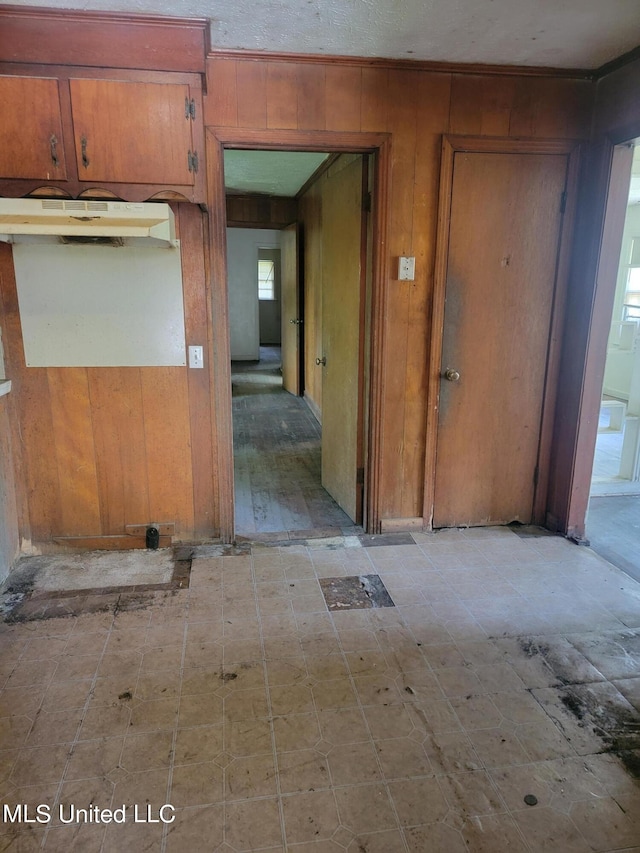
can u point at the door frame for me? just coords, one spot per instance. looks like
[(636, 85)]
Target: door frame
[(611, 188), (217, 139), (451, 145)]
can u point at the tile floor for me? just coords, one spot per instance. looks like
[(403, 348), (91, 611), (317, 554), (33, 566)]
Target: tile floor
[(509, 668)]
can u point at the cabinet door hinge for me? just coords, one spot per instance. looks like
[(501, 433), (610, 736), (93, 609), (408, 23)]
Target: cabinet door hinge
[(192, 161), (563, 202), (190, 108)]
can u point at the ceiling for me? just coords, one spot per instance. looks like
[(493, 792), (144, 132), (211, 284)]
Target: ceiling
[(553, 33), (280, 173)]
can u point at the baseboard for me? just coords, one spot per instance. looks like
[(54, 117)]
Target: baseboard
[(395, 525)]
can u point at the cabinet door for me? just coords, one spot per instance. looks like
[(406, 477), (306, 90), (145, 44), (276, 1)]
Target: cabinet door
[(31, 129), (135, 133)]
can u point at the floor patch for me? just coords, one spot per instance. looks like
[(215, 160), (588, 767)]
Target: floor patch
[(356, 592), (377, 540)]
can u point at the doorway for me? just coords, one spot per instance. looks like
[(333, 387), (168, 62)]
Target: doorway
[(613, 516), (298, 402)]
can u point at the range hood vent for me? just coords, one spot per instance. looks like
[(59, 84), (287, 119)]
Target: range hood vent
[(79, 218)]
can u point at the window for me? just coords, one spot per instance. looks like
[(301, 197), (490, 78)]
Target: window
[(266, 280)]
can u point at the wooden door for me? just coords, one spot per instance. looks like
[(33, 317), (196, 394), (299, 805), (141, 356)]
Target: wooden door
[(342, 278), (290, 315), (503, 244), (127, 132), (31, 143)]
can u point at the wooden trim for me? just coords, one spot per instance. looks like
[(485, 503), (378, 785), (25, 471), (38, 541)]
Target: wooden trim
[(221, 346), (398, 525), (377, 340), (352, 142), (404, 64), (52, 36), (450, 146), (554, 353), (291, 140)]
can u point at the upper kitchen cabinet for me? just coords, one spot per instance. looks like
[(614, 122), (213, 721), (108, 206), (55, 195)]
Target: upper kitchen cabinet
[(31, 140), (134, 133)]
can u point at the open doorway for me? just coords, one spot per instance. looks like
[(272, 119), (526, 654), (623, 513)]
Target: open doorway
[(613, 519), (297, 271)]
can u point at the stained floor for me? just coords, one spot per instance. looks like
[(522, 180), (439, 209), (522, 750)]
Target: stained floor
[(507, 673), (277, 458)]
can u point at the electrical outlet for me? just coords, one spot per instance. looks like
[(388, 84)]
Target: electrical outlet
[(196, 358), (406, 269)]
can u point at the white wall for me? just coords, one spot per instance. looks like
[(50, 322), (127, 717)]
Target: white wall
[(619, 363), (242, 264)]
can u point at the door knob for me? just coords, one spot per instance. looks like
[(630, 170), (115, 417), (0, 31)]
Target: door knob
[(452, 375), (322, 360)]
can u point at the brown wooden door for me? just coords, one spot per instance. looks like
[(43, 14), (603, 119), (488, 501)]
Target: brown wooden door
[(341, 298), (132, 132), (31, 129), (504, 236), (290, 315)]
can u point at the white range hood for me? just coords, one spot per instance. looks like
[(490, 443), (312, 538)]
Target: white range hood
[(79, 218)]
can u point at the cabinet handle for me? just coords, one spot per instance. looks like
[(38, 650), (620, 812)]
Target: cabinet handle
[(83, 144), (53, 141)]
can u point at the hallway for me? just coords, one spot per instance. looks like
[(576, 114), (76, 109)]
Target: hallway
[(276, 443)]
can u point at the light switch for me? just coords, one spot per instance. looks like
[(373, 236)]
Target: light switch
[(196, 357), (406, 269)]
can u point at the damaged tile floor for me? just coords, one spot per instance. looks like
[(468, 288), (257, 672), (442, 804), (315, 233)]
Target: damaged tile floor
[(495, 707)]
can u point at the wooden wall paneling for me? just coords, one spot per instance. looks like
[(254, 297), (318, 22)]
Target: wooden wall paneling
[(481, 105), (75, 451), (467, 101), (33, 420), (221, 101), (251, 89), (433, 95), (102, 39), (9, 526), (168, 447), (402, 119), (247, 211), (343, 97), (121, 460), (192, 225), (552, 109), (375, 99), (282, 95), (312, 104), (14, 367)]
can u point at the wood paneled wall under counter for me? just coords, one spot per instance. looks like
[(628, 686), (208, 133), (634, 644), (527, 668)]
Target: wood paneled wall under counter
[(107, 448), (282, 98)]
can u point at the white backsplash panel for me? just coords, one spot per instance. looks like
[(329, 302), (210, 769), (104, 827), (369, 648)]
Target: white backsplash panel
[(100, 306)]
